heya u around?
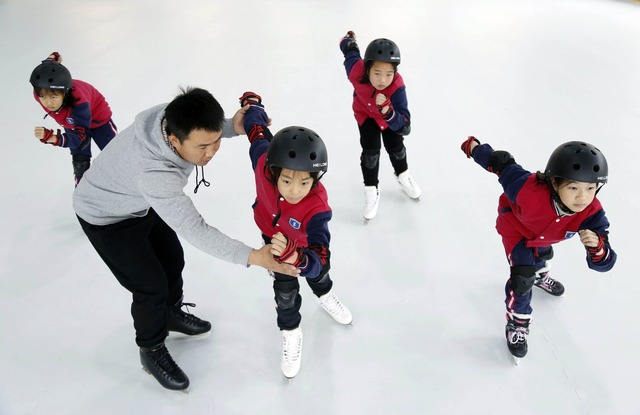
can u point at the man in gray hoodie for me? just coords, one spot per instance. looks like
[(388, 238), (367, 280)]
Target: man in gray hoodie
[(131, 205)]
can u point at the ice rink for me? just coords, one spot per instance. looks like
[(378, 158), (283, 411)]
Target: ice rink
[(424, 280)]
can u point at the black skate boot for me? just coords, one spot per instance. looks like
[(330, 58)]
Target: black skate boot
[(158, 362), (185, 322), (548, 284), (516, 332)]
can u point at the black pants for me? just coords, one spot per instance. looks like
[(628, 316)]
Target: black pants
[(146, 257), (372, 143), (288, 298)]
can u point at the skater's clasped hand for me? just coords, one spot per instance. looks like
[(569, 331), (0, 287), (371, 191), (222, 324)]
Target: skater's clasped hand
[(383, 103), (47, 136), (264, 258), (286, 249)]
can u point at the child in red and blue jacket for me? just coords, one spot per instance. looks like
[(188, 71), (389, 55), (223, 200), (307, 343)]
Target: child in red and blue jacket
[(381, 110), (293, 213), (538, 210), (77, 106)]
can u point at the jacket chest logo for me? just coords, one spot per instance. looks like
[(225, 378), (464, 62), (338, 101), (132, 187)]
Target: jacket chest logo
[(70, 120), (294, 223)]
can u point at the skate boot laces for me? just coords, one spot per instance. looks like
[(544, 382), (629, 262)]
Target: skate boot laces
[(334, 307), (292, 345), (517, 334)]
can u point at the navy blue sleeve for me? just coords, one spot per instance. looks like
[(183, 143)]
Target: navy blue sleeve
[(512, 179), (256, 116), (350, 58), (513, 176), (74, 138), (257, 149), (400, 117), (600, 224), (317, 251)]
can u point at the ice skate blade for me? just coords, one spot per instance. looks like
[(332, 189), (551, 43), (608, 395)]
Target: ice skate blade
[(516, 360), (185, 390), (183, 336)]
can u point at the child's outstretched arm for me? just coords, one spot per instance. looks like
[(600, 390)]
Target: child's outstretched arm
[(510, 174), (494, 161), (350, 50), (255, 124)]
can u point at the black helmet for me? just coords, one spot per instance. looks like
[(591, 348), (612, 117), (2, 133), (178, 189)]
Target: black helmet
[(579, 161), (51, 75), (297, 148), (383, 50)]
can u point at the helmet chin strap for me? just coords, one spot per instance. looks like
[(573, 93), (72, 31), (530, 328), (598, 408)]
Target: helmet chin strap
[(556, 198)]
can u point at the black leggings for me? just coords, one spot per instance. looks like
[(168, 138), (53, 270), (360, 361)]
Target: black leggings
[(288, 298), (370, 140), (146, 257)]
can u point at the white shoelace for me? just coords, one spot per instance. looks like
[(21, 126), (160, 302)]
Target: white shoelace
[(333, 305), (292, 348), (518, 335)]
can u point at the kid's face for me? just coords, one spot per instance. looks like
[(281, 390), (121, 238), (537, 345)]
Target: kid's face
[(577, 195), (199, 147), (294, 185), (381, 75), (51, 99)]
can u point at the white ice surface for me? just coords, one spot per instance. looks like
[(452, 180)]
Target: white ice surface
[(423, 280)]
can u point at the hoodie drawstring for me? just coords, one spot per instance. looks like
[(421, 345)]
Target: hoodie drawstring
[(199, 182)]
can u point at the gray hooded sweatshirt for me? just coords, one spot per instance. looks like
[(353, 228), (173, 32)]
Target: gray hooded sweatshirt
[(138, 171)]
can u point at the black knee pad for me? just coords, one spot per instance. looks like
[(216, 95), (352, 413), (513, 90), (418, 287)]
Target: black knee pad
[(81, 164), (522, 277), (286, 299), (547, 255), (370, 160), (398, 153), (321, 279)]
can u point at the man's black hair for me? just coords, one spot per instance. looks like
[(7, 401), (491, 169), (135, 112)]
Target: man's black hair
[(193, 109)]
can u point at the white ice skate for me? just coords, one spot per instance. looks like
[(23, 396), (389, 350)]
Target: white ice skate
[(372, 197), (409, 185), (291, 352), (332, 305)]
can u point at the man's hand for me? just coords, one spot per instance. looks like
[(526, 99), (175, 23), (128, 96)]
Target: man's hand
[(264, 258), (238, 120)]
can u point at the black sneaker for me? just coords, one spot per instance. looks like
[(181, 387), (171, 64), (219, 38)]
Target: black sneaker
[(548, 284), (185, 322), (158, 362), (517, 339)]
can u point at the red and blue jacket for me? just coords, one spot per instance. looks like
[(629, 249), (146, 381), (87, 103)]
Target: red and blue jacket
[(364, 96), (527, 211), (90, 110), (307, 221)]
